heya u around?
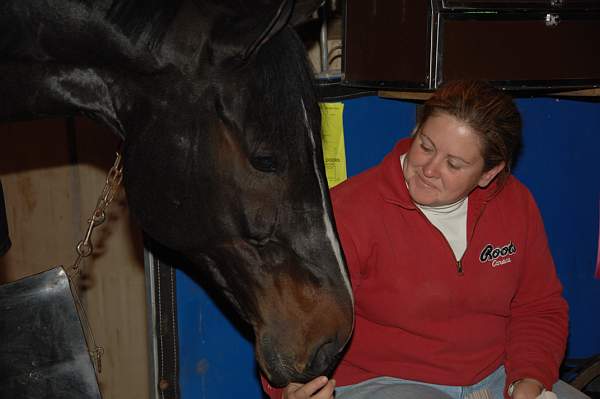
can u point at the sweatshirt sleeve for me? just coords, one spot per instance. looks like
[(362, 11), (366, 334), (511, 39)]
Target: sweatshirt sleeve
[(344, 219), (350, 255), (538, 323)]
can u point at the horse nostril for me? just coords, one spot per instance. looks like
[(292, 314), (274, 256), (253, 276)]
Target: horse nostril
[(323, 358)]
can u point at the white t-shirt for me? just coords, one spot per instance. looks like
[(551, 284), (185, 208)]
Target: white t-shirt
[(450, 220)]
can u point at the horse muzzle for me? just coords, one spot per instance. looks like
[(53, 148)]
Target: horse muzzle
[(281, 370), (303, 332)]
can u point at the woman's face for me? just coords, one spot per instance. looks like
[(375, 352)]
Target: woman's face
[(444, 163)]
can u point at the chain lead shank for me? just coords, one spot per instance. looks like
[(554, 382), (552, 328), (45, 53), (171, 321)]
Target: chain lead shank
[(85, 248)]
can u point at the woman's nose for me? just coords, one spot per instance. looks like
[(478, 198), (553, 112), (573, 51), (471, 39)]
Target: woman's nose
[(432, 168)]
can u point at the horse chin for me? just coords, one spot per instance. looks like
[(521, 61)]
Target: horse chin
[(280, 375)]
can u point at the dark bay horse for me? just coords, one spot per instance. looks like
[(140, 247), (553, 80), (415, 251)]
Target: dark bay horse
[(223, 164)]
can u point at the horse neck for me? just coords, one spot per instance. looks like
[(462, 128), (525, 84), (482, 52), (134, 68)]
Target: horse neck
[(79, 62), (78, 32)]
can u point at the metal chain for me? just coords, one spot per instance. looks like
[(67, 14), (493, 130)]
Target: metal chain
[(85, 248)]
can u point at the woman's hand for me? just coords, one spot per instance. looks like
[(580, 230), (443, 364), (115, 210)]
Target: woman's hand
[(319, 388), (527, 388)]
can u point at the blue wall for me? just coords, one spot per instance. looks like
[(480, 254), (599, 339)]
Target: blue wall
[(216, 360), (371, 127), (559, 164)]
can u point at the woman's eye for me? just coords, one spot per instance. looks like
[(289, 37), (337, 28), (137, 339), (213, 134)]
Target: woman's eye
[(425, 148), (266, 164), (453, 166)]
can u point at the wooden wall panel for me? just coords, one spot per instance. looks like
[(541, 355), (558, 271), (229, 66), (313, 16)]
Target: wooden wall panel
[(37, 179), (52, 180)]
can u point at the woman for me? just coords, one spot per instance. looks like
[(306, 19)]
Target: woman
[(455, 288)]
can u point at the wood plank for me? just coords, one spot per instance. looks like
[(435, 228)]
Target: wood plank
[(578, 93), (423, 96), (405, 95), (37, 180)]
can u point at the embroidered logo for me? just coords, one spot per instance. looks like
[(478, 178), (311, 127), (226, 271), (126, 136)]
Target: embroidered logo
[(498, 256)]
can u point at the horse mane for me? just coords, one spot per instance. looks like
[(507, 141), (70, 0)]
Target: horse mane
[(138, 17)]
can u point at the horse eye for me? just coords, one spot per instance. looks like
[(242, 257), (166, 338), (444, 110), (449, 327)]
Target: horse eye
[(264, 163)]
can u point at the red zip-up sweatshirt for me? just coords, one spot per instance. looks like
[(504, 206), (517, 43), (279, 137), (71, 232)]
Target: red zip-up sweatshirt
[(423, 315)]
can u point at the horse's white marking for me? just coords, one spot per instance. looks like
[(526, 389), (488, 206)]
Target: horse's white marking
[(335, 245)]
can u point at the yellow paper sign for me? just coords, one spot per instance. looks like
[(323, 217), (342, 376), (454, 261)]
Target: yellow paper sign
[(332, 138)]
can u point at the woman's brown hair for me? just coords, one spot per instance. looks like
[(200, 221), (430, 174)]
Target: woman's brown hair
[(491, 113)]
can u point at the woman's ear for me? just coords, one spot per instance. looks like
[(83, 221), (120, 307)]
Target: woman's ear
[(487, 177)]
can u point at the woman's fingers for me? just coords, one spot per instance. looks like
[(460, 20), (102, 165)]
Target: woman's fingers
[(327, 391), (319, 388)]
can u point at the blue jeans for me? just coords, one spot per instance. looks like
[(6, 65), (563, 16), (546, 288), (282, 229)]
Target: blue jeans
[(396, 388)]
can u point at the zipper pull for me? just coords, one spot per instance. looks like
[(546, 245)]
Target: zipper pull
[(459, 267)]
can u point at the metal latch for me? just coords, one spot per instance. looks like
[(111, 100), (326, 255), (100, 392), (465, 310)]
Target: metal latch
[(552, 19)]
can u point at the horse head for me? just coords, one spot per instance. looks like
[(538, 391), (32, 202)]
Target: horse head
[(222, 154)]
